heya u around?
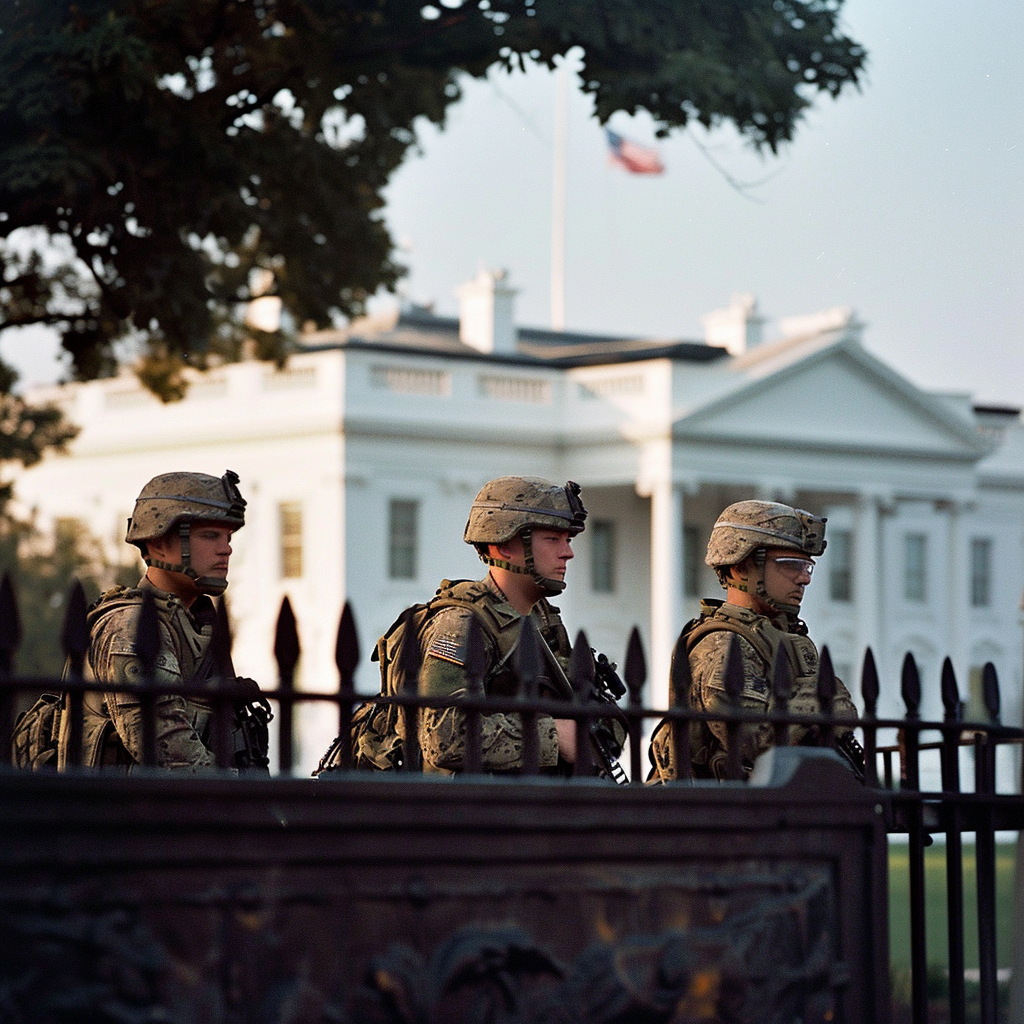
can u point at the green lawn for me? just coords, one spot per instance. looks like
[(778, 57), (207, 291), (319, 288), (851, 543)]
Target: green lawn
[(935, 912)]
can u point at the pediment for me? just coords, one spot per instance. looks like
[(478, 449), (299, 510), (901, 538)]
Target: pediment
[(841, 399)]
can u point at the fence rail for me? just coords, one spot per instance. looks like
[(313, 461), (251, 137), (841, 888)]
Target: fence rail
[(892, 771)]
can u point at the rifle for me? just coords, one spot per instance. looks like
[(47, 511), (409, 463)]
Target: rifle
[(849, 749), (606, 689), (250, 734)]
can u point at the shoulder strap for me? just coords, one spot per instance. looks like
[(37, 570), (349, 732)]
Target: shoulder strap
[(456, 594), (422, 612), (715, 625), (205, 666)]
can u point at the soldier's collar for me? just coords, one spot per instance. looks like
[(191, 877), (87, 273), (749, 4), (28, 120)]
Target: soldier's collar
[(501, 593), (737, 611), (504, 613)]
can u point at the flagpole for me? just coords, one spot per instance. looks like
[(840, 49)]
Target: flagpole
[(558, 199)]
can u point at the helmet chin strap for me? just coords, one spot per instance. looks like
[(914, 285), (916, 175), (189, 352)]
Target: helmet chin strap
[(758, 589), (549, 586), (212, 585)]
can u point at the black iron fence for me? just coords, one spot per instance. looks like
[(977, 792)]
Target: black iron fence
[(757, 827)]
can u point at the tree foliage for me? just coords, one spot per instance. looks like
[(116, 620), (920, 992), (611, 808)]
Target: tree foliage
[(165, 149), (27, 432), (43, 570)]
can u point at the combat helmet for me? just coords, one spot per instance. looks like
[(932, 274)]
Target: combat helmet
[(513, 506), (176, 500), (746, 528)]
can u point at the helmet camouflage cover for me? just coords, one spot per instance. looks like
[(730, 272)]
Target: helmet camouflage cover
[(172, 498), (748, 525), (510, 504)]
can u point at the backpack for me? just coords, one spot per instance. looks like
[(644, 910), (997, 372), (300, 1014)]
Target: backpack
[(36, 733), (376, 729)]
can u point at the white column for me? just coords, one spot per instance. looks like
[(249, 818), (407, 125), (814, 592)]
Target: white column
[(957, 597), (666, 584), (867, 589)]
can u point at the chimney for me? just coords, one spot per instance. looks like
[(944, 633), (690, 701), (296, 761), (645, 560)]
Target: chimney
[(836, 319), (736, 328), (487, 314)]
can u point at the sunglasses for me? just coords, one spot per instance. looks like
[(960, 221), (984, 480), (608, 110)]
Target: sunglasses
[(794, 566)]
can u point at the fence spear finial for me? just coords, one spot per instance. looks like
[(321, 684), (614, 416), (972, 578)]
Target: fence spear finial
[(635, 672), (950, 692), (990, 691), (529, 668), (346, 647), (732, 681), (869, 688), (582, 672), (869, 691), (782, 689), (909, 735), (476, 669), (826, 693), (10, 625), (680, 682), (74, 634), (286, 652), (410, 660)]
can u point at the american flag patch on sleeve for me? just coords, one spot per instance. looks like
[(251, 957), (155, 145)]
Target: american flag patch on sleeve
[(447, 647)]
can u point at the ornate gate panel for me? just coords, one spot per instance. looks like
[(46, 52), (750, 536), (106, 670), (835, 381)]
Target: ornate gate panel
[(416, 899)]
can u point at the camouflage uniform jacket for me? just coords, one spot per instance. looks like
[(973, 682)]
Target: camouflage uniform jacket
[(443, 641), (760, 638), (112, 733)]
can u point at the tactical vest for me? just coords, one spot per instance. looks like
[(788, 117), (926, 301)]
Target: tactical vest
[(188, 640), (376, 732), (767, 640), (763, 635), (501, 626), (101, 745)]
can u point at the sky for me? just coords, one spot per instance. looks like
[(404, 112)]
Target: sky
[(904, 201)]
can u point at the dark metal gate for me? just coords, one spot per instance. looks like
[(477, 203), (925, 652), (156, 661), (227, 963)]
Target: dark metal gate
[(396, 897), (409, 900)]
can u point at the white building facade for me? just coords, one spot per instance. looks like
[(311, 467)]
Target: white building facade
[(361, 457)]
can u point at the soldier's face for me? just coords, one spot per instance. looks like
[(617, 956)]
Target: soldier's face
[(209, 548), (552, 550), (786, 575)]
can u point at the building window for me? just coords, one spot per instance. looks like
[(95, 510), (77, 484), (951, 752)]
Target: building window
[(403, 516), (915, 577), (602, 564), (840, 566), (290, 520), (691, 561), (981, 572)]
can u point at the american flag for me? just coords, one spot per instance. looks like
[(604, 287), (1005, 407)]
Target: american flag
[(634, 158)]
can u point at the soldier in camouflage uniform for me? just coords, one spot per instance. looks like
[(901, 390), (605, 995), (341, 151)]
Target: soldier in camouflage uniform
[(764, 555), (182, 524), (522, 528)]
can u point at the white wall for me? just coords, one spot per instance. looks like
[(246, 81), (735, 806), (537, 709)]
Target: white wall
[(343, 432)]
